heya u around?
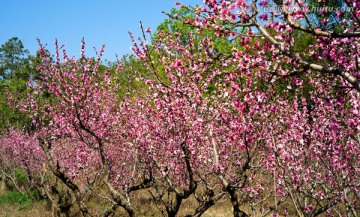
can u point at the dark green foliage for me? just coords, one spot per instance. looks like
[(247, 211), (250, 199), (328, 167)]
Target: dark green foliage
[(131, 68), (17, 67), (13, 62), (178, 23)]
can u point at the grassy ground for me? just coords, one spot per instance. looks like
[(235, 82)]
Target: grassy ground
[(15, 204), (145, 207), (36, 209), (39, 209)]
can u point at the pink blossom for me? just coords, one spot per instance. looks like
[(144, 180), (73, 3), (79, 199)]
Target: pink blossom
[(263, 16)]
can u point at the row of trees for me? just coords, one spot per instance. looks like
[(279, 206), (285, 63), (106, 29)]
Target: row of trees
[(224, 102)]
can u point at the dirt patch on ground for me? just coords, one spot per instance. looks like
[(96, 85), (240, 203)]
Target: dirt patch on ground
[(34, 210)]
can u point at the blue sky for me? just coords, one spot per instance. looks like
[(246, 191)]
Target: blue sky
[(98, 21)]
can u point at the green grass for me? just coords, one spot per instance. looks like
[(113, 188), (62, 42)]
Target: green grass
[(21, 175), (16, 198)]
